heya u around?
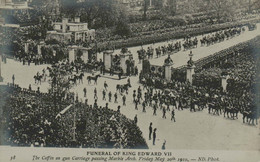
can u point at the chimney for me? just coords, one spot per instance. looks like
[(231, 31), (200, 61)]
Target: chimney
[(77, 19), (64, 24)]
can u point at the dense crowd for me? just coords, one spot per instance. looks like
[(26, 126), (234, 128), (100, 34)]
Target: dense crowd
[(30, 118)]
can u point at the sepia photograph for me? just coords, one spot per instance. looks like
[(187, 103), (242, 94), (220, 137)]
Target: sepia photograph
[(104, 76)]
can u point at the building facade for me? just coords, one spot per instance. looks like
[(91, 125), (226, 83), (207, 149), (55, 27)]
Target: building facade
[(8, 9), (71, 31)]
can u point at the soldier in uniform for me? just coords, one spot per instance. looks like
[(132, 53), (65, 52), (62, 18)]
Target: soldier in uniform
[(192, 105), (154, 136), (85, 92), (115, 95), (104, 94), (118, 109), (144, 106), (95, 94), (124, 99), (154, 109), (150, 131), (136, 104), (13, 78), (134, 95), (164, 112), (105, 85), (135, 119), (173, 115), (109, 96)]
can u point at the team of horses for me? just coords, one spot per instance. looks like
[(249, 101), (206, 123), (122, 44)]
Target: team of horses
[(232, 112), (220, 36), (159, 51)]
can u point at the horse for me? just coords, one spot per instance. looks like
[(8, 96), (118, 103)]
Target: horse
[(95, 78), (80, 77), (212, 107), (231, 111), (73, 79), (249, 115), (199, 104), (38, 79), (123, 87)]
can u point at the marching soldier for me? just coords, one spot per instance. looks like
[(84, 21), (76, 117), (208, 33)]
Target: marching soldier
[(115, 95), (192, 105), (135, 119), (150, 131), (144, 106), (105, 85), (173, 115), (104, 94), (118, 109), (154, 136), (13, 78), (136, 104), (164, 112), (154, 109), (124, 99), (109, 96), (85, 92), (95, 93), (134, 95)]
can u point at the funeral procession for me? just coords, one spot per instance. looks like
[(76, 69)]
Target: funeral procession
[(130, 74)]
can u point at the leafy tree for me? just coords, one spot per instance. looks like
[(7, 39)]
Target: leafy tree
[(122, 29), (170, 7), (97, 13), (222, 8), (145, 8)]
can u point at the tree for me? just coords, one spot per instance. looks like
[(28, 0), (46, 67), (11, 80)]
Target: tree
[(97, 13), (145, 8), (122, 29), (168, 6), (222, 8)]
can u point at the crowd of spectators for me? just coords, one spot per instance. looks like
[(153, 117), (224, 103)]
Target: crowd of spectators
[(30, 118)]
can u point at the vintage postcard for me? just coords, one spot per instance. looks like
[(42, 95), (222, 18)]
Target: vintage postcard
[(130, 80)]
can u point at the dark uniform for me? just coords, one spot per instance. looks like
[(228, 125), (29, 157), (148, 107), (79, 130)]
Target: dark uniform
[(115, 95), (118, 109), (154, 136), (95, 93), (85, 92), (109, 96), (154, 109), (105, 85), (136, 103), (173, 115), (192, 105), (104, 95), (124, 99), (150, 131), (135, 119), (164, 113), (144, 107)]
